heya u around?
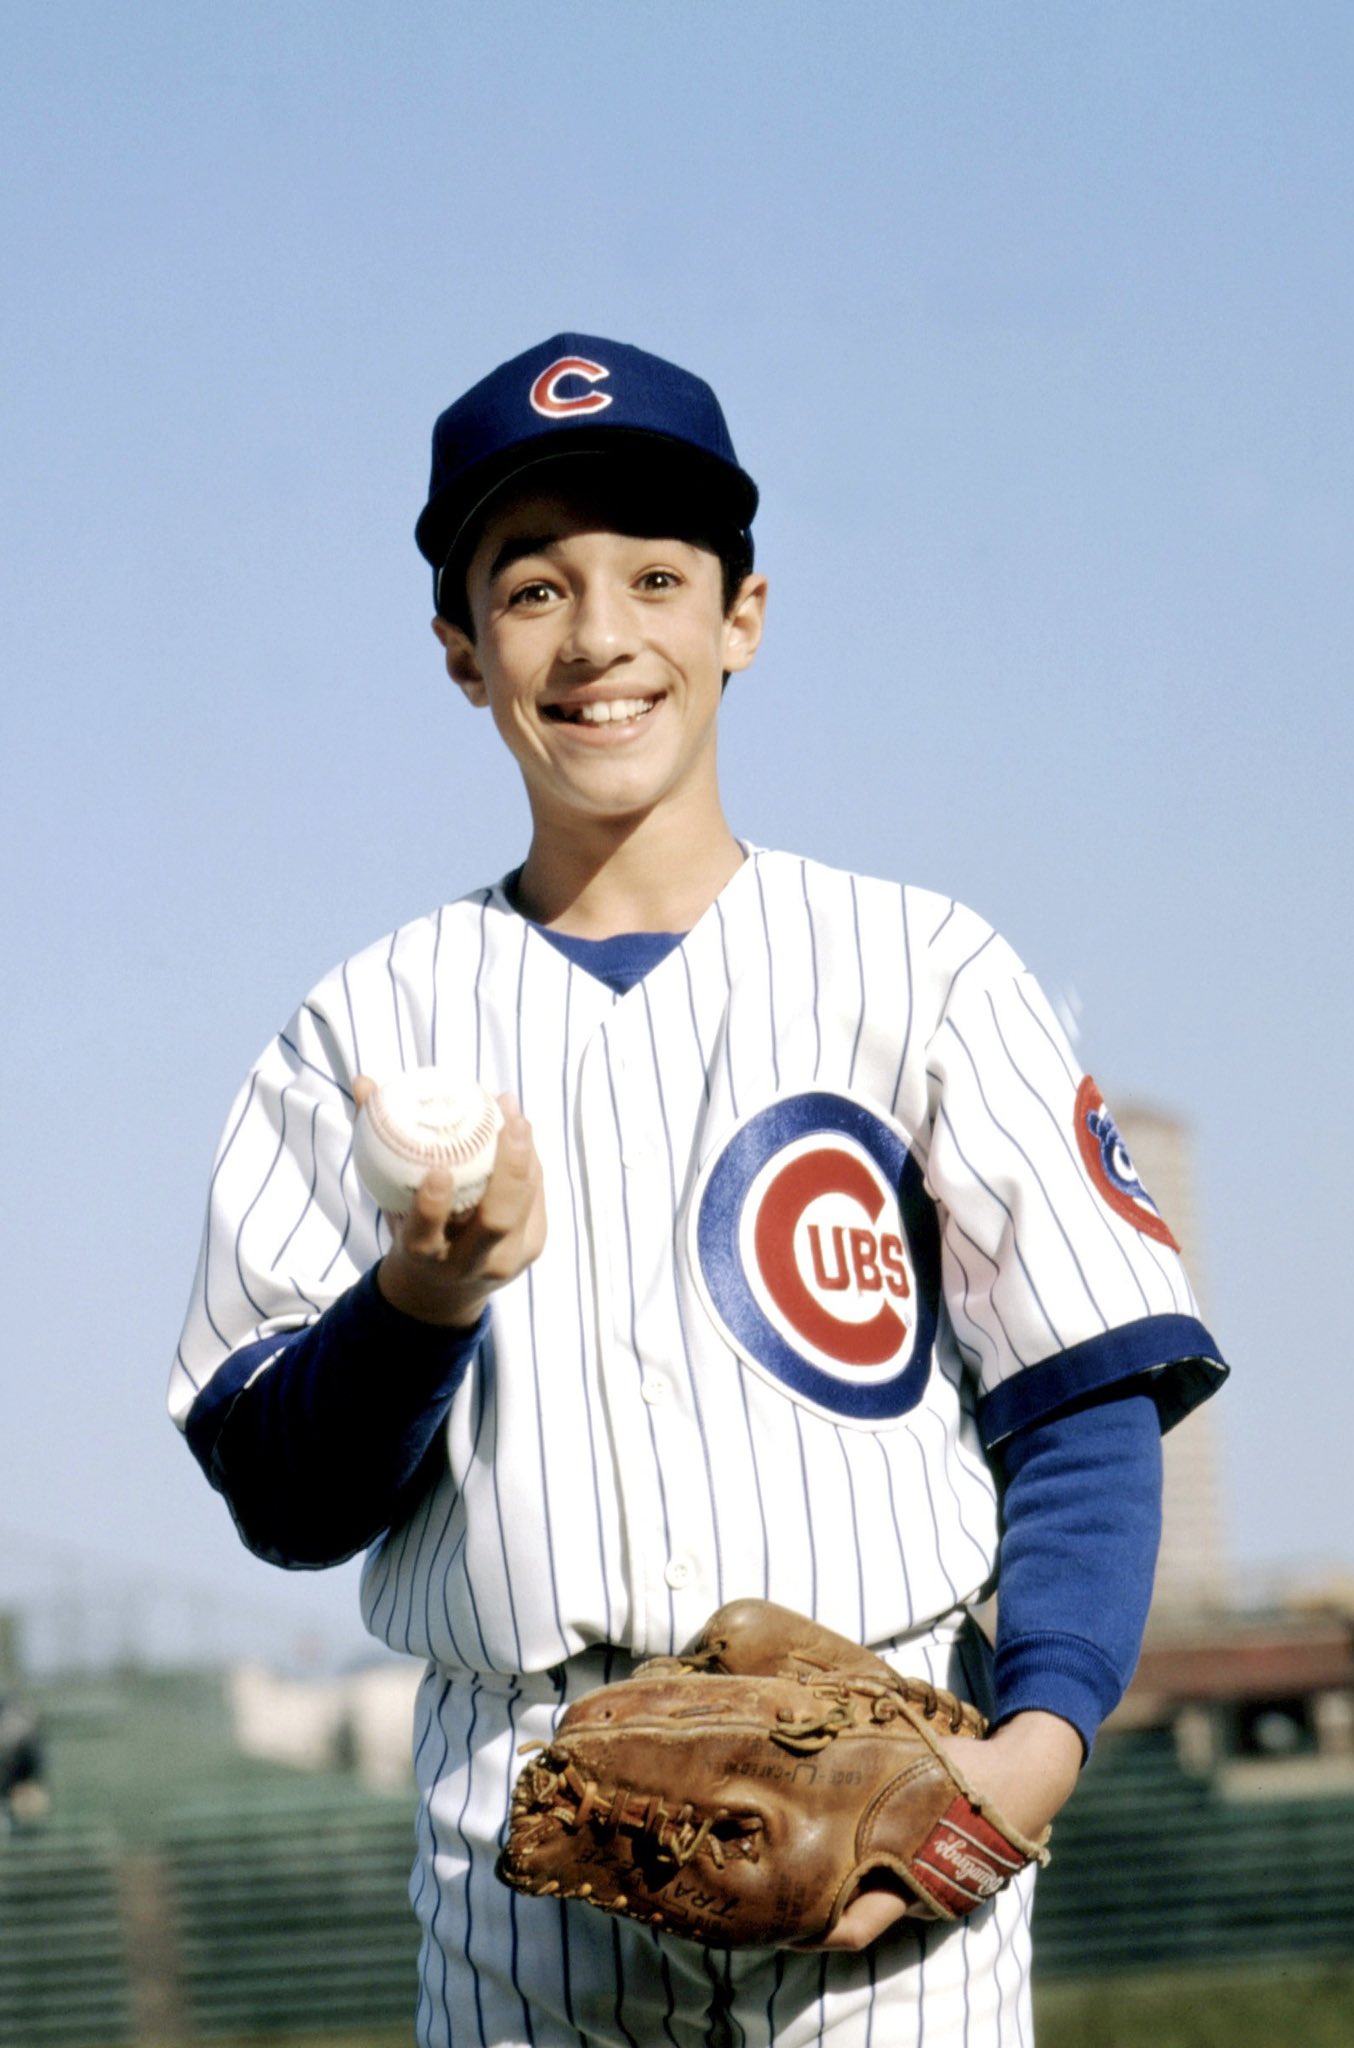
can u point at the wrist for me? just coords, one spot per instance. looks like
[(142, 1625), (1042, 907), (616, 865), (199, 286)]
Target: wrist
[(1038, 1758), (424, 1292)]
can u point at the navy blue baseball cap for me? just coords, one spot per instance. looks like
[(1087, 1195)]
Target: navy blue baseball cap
[(572, 394)]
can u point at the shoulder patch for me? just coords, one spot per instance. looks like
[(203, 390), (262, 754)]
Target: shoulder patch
[(1113, 1174), (817, 1252)]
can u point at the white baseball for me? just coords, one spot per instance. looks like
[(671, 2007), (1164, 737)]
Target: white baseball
[(428, 1116)]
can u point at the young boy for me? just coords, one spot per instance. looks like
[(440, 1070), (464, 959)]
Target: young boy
[(819, 1272)]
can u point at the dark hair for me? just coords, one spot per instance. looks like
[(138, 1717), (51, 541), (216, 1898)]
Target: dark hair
[(650, 500)]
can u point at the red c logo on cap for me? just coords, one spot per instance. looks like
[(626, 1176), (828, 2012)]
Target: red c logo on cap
[(545, 393)]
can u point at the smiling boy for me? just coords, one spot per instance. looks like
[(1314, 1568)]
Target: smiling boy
[(818, 1273), (601, 656)]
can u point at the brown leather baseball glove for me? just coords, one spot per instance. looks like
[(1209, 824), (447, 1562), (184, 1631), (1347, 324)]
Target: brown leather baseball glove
[(743, 1793)]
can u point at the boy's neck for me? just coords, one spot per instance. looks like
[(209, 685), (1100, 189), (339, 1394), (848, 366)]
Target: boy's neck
[(654, 876)]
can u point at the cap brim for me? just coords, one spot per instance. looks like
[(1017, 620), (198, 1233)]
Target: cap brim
[(444, 523)]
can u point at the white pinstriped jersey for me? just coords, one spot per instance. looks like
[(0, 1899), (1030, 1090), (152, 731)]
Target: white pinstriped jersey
[(823, 1191)]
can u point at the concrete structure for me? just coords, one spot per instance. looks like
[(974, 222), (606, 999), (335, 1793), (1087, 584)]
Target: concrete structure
[(361, 1722)]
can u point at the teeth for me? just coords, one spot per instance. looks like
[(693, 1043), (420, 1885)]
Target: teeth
[(609, 714)]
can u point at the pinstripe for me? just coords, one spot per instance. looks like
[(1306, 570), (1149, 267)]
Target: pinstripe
[(566, 1967), (391, 1568), (434, 988), (203, 1287), (963, 967), (908, 1606), (468, 1844), (860, 1632), (282, 1249), (571, 1174), (770, 974), (547, 1527), (728, 1026), (935, 1523), (822, 1996), (484, 1660), (513, 1946), (228, 1147), (669, 1995), (479, 978), (949, 1452), (695, 1022), (970, 1351), (954, 1233), (813, 956), (1058, 1050), (754, 1466), (240, 1273), (506, 1583), (350, 1008), (421, 1519), (633, 1312), (553, 1510), (778, 1980), (618, 1967), (1181, 1293), (395, 1001), (437, 1962), (313, 1067), (436, 1584), (1060, 1139), (906, 1045), (991, 1191), (1032, 1176), (808, 1517), (679, 1315), (860, 976)]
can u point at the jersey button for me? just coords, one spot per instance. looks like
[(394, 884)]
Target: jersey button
[(654, 1390), (677, 1573)]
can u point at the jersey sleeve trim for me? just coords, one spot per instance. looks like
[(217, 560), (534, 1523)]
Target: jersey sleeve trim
[(431, 1361), (1174, 1356), (202, 1424), (1056, 1673)]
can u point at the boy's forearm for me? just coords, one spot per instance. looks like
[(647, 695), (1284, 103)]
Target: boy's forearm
[(1083, 1521), (1028, 1768), (315, 1449)]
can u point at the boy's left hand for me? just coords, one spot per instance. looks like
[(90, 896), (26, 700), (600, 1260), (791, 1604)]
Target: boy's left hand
[(1028, 1768)]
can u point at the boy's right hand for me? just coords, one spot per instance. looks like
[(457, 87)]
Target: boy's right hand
[(443, 1268)]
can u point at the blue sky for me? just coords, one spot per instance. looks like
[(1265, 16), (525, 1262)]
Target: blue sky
[(1034, 325)]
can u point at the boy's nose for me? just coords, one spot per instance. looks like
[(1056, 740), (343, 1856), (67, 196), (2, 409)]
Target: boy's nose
[(601, 629)]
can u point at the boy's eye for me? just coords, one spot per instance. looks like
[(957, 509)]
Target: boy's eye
[(532, 593), (660, 579)]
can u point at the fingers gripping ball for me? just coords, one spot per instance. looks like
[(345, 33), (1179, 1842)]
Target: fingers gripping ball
[(414, 1121), (748, 1811)]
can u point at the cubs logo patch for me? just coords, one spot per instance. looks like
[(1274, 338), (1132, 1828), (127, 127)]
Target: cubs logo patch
[(1113, 1174), (817, 1252), (547, 399)]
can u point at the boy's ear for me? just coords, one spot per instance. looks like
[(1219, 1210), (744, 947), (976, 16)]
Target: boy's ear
[(462, 666), (743, 623)]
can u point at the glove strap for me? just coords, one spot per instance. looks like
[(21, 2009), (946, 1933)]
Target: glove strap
[(965, 1860)]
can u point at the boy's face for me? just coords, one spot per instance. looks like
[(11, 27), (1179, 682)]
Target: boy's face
[(601, 656)]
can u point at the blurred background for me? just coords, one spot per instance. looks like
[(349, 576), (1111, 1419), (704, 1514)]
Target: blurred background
[(1034, 325)]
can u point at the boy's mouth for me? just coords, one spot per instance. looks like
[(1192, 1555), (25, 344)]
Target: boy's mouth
[(615, 711)]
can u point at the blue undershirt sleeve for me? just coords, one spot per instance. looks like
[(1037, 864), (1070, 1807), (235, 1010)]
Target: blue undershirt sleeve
[(1078, 1557), (318, 1439)]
